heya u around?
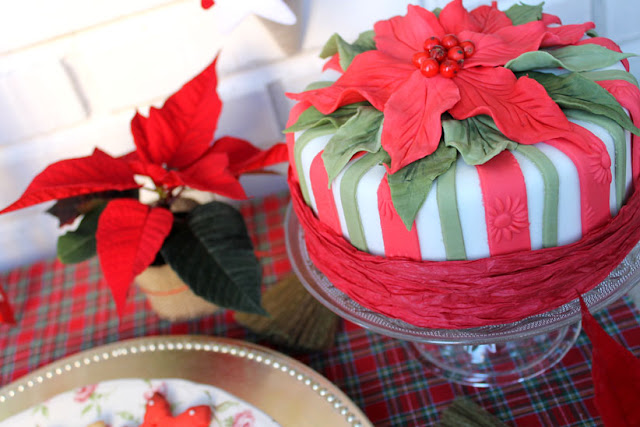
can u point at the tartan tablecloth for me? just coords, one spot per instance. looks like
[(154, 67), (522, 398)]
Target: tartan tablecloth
[(64, 309)]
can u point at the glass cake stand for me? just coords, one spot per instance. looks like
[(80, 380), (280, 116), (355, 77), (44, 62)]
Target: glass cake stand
[(483, 357)]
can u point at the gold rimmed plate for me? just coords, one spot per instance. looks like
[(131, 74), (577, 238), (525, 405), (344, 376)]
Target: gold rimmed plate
[(287, 390)]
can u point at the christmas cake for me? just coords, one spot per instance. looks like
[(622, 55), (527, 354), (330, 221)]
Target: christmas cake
[(454, 136)]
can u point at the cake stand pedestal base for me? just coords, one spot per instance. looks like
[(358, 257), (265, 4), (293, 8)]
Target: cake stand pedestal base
[(500, 364)]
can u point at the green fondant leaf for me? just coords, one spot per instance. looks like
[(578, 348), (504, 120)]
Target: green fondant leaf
[(410, 185), (578, 92), (437, 11), (311, 117), (573, 58), (597, 76), (588, 57), (212, 252), (80, 245), (360, 133), (592, 33), (348, 51), (523, 13), (477, 138), (318, 85)]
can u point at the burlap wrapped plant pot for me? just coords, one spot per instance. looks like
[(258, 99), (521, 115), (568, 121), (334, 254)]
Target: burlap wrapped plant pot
[(170, 297)]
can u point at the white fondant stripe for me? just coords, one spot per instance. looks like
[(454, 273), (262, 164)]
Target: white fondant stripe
[(607, 139), (569, 214), (337, 197), (534, 183), (471, 211), (368, 209), (309, 152), (429, 228)]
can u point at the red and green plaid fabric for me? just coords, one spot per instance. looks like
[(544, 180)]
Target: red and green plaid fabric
[(63, 309)]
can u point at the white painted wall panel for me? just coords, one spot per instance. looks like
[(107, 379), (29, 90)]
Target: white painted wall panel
[(36, 99)]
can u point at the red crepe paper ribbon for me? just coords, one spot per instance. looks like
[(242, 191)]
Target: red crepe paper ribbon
[(466, 294), (616, 375), (6, 313)]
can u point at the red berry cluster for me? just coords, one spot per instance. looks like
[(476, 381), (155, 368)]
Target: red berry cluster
[(444, 56)]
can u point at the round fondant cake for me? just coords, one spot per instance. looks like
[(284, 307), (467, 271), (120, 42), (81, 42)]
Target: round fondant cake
[(452, 141)]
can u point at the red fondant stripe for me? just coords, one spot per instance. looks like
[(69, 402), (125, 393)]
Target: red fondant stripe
[(290, 137), (593, 164), (323, 195), (398, 241), (504, 194), (628, 95)]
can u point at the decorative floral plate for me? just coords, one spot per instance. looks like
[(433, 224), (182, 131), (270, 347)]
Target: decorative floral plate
[(282, 389), (121, 403)]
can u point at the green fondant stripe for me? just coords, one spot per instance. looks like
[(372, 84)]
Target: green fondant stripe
[(551, 190), (449, 216), (619, 142), (348, 189), (304, 139)]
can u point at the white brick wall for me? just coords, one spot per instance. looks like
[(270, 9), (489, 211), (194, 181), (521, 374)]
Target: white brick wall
[(72, 73)]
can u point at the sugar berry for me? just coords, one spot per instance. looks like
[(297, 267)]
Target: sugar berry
[(431, 42), (438, 53), (430, 67), (449, 68), (419, 57), (449, 41), (455, 54), (468, 47)]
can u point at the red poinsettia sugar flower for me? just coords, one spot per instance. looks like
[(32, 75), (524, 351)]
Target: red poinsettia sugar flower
[(174, 149), (413, 102)]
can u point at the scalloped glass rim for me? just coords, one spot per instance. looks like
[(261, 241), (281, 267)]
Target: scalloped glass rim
[(620, 281)]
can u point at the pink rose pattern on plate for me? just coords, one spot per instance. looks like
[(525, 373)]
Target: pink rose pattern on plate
[(84, 393), (160, 387), (244, 419)]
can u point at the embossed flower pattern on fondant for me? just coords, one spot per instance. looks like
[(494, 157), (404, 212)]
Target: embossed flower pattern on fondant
[(600, 167), (507, 217)]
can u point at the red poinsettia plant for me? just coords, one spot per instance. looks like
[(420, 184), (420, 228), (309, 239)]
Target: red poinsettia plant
[(208, 247)]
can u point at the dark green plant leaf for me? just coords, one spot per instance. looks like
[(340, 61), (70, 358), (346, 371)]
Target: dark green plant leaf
[(597, 76), (80, 245), (311, 117), (523, 13), (477, 138), (360, 133), (212, 253), (410, 185), (437, 11), (585, 57), (348, 51), (578, 92), (68, 209)]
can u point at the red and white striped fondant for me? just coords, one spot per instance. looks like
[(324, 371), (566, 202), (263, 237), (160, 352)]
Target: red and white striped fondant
[(547, 194)]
